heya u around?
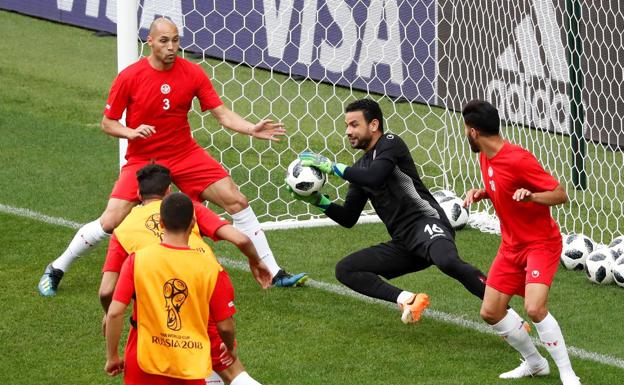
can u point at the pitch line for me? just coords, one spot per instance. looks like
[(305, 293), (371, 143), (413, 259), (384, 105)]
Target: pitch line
[(343, 291)]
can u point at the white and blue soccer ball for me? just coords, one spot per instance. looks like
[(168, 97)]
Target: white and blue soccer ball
[(599, 266), (304, 180), (617, 244), (441, 194), (618, 271), (455, 211), (576, 248)]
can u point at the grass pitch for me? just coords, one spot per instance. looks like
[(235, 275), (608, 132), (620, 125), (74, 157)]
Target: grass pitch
[(56, 161)]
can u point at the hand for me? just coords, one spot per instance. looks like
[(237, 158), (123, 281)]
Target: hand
[(266, 129), (261, 273), (316, 199), (226, 357), (114, 366), (473, 196), (312, 199), (142, 132), (523, 195), (311, 159)]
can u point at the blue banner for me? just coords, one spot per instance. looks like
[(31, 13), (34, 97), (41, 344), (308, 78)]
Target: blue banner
[(382, 46)]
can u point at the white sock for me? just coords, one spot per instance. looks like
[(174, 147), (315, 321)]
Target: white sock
[(214, 379), (512, 331), (515, 314), (87, 236), (244, 379), (247, 222), (550, 334), (404, 296)]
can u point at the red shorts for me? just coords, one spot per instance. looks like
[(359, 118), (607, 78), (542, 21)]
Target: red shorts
[(512, 269), (191, 171)]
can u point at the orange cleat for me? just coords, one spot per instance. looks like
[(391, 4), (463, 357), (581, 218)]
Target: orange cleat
[(413, 308)]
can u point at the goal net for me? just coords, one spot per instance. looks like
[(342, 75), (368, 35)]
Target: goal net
[(550, 66)]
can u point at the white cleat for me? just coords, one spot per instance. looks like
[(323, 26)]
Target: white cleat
[(524, 370)]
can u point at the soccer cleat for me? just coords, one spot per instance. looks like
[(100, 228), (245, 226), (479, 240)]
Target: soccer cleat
[(48, 284), (413, 308), (284, 279), (524, 370)]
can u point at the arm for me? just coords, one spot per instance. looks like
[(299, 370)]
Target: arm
[(346, 215), (259, 270), (546, 198), (116, 255), (538, 185), (227, 332), (222, 309), (264, 129), (114, 128), (372, 176), (114, 321)]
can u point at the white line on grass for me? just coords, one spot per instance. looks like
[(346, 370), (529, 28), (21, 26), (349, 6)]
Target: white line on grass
[(341, 290)]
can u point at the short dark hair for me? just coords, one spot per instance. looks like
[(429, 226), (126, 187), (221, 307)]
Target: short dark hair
[(482, 116), (176, 212), (154, 180), (370, 109)]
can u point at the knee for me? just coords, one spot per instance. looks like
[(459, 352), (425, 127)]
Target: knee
[(234, 202), (490, 316), (110, 219), (343, 269), (536, 312)]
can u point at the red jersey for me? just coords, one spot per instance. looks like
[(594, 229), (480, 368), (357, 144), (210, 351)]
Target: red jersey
[(207, 221), (221, 308), (161, 99), (521, 222)]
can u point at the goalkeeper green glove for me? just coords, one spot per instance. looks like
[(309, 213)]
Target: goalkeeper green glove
[(311, 159), (316, 199)]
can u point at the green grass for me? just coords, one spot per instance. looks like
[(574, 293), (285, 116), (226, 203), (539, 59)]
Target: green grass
[(56, 161)]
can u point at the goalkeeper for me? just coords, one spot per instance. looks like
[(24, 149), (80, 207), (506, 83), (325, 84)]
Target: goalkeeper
[(421, 234)]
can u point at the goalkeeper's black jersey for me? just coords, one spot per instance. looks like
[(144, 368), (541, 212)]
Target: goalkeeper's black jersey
[(387, 175)]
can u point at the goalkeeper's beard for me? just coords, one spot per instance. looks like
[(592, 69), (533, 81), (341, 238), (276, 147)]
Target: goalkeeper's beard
[(359, 144)]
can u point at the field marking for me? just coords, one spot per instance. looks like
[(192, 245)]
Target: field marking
[(342, 291)]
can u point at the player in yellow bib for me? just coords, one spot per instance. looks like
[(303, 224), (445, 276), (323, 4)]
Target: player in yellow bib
[(142, 228)]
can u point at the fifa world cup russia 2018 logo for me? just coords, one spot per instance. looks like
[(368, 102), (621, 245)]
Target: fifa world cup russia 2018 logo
[(175, 292), (153, 224)]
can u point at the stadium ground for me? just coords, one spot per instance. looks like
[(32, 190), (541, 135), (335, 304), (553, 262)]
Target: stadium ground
[(57, 162)]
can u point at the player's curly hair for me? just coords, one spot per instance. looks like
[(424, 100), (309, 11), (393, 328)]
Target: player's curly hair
[(154, 180), (482, 116), (370, 109)]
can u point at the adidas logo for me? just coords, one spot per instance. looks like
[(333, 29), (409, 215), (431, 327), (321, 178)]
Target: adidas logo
[(538, 98)]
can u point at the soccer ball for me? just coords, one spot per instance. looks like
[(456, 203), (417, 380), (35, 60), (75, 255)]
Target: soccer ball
[(618, 245), (455, 211), (304, 180), (599, 265), (618, 271), (576, 248), (441, 194)]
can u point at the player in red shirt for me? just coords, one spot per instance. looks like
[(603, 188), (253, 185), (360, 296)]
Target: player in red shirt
[(157, 93), (177, 213), (527, 260)]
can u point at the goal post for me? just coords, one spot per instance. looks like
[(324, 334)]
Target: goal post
[(302, 62)]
